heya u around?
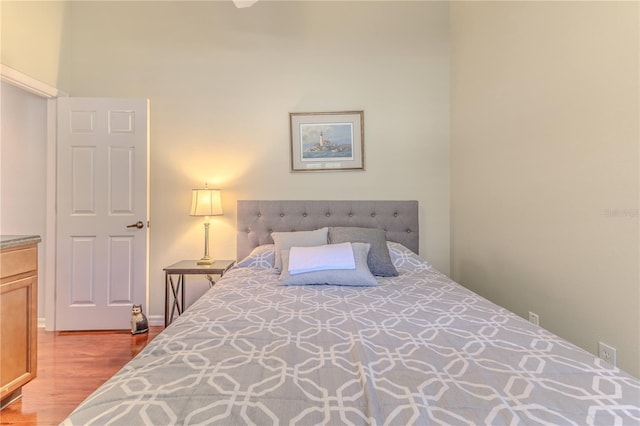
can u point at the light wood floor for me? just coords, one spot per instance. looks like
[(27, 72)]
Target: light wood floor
[(71, 365)]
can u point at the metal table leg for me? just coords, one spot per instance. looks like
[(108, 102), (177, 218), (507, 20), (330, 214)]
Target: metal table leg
[(166, 299), (181, 290), (177, 291)]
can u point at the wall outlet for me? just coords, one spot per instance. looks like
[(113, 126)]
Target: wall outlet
[(534, 318), (607, 353)]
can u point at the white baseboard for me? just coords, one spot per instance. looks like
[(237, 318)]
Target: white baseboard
[(155, 320)]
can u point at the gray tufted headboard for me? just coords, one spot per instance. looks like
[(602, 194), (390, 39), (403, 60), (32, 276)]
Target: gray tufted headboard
[(258, 218)]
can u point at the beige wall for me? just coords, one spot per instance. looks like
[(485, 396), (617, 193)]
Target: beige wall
[(544, 154), (34, 39), (222, 82)]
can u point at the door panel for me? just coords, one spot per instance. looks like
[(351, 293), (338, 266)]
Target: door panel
[(102, 188), (82, 180), (121, 274), (121, 180), (82, 284)]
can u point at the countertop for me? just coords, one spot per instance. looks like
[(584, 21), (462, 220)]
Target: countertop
[(11, 241)]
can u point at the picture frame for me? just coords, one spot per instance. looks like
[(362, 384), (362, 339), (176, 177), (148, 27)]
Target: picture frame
[(327, 141)]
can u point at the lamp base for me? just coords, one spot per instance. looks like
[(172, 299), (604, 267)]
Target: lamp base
[(205, 261)]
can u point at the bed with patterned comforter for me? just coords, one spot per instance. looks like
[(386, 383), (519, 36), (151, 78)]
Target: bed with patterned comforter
[(415, 349)]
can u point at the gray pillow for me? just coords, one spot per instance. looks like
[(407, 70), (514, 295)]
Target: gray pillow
[(286, 240), (379, 260), (361, 276)]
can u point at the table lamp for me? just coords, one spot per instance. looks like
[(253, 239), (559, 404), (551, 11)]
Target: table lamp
[(206, 202)]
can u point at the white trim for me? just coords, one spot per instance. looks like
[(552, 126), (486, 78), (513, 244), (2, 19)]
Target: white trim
[(27, 83), (51, 191), (155, 320)]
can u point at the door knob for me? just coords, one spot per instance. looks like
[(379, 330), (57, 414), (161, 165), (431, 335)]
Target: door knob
[(138, 225)]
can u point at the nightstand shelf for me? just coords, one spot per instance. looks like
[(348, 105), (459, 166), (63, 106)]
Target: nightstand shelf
[(174, 281)]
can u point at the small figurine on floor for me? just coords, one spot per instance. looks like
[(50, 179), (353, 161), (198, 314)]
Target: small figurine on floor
[(139, 323)]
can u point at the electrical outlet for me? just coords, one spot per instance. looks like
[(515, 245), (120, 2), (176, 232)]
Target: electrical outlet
[(534, 318), (607, 353)]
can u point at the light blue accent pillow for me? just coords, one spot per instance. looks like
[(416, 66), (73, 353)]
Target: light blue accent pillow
[(361, 276), (286, 240)]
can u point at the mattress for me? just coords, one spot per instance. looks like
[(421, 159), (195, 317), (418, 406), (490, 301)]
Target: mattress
[(415, 349)]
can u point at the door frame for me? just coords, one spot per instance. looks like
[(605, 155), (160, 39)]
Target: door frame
[(36, 87), (50, 249)]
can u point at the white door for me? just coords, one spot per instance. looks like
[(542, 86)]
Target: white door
[(102, 210)]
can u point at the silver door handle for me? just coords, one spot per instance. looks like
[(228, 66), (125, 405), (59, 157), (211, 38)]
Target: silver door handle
[(138, 225)]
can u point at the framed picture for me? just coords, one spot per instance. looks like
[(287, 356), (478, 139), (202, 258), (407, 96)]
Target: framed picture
[(327, 141)]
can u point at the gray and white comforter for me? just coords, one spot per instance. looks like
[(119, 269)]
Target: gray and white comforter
[(417, 349)]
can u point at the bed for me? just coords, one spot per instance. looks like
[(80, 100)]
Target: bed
[(415, 348)]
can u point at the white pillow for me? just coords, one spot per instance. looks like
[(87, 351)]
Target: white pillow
[(286, 240), (360, 276), (321, 258)]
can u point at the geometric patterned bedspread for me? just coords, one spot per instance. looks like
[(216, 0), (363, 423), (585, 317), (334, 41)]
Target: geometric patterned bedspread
[(417, 349)]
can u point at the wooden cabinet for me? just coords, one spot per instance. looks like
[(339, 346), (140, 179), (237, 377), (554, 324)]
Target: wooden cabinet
[(18, 315)]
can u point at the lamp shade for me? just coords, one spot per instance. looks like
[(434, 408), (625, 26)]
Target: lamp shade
[(206, 202)]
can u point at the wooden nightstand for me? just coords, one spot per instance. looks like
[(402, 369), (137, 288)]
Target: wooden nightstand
[(174, 289)]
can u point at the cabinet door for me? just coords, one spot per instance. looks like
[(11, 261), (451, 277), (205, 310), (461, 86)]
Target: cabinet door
[(18, 337)]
